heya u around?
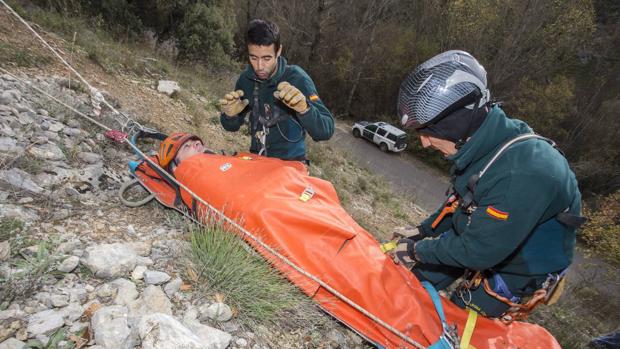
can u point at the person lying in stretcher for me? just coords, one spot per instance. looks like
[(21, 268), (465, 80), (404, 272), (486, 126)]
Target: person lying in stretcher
[(301, 217)]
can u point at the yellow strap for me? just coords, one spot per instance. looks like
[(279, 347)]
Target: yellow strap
[(388, 246), (469, 329)]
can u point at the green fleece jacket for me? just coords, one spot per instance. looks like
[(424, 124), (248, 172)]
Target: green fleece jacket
[(286, 139), (513, 228)]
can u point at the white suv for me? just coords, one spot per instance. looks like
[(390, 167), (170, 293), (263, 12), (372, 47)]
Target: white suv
[(388, 137)]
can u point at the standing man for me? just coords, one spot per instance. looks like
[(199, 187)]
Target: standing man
[(509, 223), (281, 100)]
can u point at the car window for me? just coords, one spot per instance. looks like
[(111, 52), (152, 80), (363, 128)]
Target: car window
[(371, 128), (381, 132), (391, 137)]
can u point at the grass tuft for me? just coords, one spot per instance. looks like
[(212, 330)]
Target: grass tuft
[(27, 276), (226, 265), (9, 227)]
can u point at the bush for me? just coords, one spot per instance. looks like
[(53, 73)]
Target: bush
[(602, 232), (226, 265), (206, 33)]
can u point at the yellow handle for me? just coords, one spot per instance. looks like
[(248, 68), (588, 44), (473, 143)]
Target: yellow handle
[(388, 246)]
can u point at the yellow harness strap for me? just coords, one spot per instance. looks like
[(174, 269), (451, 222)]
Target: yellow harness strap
[(469, 329)]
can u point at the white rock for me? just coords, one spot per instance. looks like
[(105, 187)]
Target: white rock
[(138, 272), (25, 200), (160, 331), (241, 342), (20, 179), (48, 151), (126, 291), (44, 322), (216, 311), (70, 131), (168, 87), (109, 260), (69, 246), (142, 248), (173, 287), (69, 264), (78, 294), (5, 250), (153, 300), (12, 343), (60, 300), (72, 312), (56, 126), (91, 158), (212, 337), (9, 145), (155, 277), (19, 212), (111, 329)]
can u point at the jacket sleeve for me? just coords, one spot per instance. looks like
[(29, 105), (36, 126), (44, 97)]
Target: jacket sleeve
[(505, 217), (318, 120), (233, 123)]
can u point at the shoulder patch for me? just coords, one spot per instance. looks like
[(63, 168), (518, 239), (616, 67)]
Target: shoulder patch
[(497, 214), (314, 98)]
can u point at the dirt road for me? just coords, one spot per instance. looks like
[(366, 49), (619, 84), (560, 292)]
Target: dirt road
[(425, 185)]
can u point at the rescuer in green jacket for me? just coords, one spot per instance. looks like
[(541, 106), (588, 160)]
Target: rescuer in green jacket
[(280, 100), (514, 207)]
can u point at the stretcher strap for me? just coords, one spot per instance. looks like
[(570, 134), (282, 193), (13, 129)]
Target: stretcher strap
[(469, 329), (444, 340)]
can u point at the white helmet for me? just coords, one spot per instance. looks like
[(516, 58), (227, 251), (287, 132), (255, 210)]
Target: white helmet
[(447, 82)]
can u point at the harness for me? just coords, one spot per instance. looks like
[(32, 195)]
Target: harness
[(261, 123), (519, 309)]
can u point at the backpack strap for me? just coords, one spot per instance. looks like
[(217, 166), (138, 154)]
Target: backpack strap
[(468, 200)]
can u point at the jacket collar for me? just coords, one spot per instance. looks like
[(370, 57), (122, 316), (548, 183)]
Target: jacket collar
[(249, 73), (494, 131)]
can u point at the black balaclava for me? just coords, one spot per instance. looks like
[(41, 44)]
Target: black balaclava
[(457, 126)]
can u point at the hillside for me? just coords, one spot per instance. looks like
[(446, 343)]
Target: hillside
[(69, 247)]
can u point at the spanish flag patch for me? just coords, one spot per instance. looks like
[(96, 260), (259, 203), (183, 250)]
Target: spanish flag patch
[(497, 214), (314, 98)]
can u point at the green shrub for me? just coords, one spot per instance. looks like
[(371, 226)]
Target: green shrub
[(206, 33), (226, 265), (9, 227), (602, 231)]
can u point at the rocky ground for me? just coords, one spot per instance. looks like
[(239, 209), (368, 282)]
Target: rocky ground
[(77, 269)]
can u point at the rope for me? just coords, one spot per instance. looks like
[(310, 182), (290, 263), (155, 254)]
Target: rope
[(96, 95), (233, 223), (238, 226), (29, 85)]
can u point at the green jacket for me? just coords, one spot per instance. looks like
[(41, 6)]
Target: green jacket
[(285, 140), (513, 229)]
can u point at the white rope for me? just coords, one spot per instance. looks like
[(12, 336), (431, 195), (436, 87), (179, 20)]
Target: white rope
[(96, 95), (32, 86), (237, 225), (206, 204)]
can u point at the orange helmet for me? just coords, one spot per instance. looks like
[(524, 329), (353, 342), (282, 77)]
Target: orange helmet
[(170, 146)]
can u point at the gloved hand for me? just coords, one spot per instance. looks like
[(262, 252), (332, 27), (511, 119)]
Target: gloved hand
[(404, 252), (292, 97), (232, 104), (411, 234)]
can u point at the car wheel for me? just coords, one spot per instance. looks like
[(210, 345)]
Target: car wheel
[(356, 133), (383, 147)]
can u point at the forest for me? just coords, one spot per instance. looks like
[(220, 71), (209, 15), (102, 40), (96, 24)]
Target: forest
[(551, 63)]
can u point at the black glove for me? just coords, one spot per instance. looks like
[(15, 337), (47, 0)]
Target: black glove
[(415, 234), (405, 252)]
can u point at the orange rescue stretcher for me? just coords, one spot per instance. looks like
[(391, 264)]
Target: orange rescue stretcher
[(301, 217)]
